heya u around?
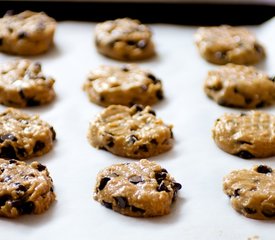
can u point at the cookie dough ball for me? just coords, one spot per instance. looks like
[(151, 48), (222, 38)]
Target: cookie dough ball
[(124, 39), (22, 84), (137, 189), (252, 192), (239, 86), (27, 33), (126, 85), (24, 136), (133, 132), (226, 44), (24, 189), (246, 135)]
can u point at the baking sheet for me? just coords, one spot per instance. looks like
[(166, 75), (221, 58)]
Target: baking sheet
[(202, 210)]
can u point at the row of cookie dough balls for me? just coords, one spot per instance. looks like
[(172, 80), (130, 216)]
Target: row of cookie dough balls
[(247, 135)]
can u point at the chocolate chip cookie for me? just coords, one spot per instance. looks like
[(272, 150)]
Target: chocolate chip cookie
[(22, 84), (252, 192), (126, 85), (137, 189), (124, 39), (246, 135), (133, 132), (24, 189), (26, 33), (24, 136), (240, 86), (227, 44)]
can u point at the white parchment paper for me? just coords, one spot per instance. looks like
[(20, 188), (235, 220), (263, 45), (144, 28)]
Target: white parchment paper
[(202, 211)]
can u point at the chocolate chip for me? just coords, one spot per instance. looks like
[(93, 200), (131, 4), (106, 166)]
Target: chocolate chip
[(124, 68), (138, 107), (23, 207), (141, 44), (21, 152), (132, 139), (264, 169), (32, 102), (176, 186), (1, 41), (40, 167), (12, 161), (39, 145), (136, 209), (107, 204), (245, 154), (260, 104), (269, 213), (103, 183), (21, 188), (4, 199), (143, 148), (152, 112), (122, 202), (8, 152), (162, 187), (131, 42), (22, 35), (110, 144), (154, 141), (250, 210), (153, 78), (160, 176), (22, 95), (236, 192), (53, 133), (159, 94), (101, 98), (8, 136), (135, 179)]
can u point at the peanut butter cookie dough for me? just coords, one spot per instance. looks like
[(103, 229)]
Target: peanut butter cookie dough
[(126, 85), (240, 86), (124, 39), (22, 84), (24, 136), (252, 192), (246, 135), (24, 189), (226, 44), (137, 189), (133, 132), (27, 33)]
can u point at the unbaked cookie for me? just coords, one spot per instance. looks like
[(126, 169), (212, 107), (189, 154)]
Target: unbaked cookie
[(22, 84), (126, 85), (24, 136), (27, 33), (138, 189), (226, 44), (240, 86), (246, 135), (124, 39), (133, 132), (252, 192), (24, 189)]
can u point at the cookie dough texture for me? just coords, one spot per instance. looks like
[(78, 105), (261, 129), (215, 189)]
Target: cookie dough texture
[(252, 192), (240, 86), (246, 135), (126, 85), (124, 39), (227, 44), (137, 189), (22, 84), (24, 136), (24, 189), (26, 33), (130, 132)]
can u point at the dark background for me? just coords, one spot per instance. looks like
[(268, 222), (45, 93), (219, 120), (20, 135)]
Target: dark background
[(189, 14)]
